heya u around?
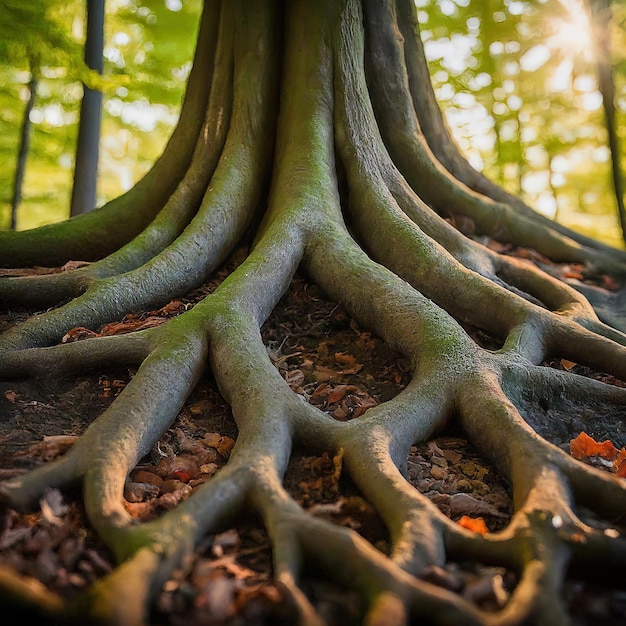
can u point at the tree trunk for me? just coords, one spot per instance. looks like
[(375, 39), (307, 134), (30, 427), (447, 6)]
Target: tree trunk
[(20, 167), (601, 25), (87, 146), (319, 134)]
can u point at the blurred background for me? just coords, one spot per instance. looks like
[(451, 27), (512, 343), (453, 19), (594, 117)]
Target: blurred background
[(518, 82)]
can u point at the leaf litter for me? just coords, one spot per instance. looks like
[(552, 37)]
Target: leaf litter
[(326, 358)]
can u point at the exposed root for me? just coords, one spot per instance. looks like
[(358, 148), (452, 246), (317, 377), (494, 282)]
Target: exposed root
[(366, 229)]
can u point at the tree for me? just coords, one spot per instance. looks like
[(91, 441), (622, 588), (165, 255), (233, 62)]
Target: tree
[(601, 19), (87, 147), (20, 167), (31, 48), (314, 124)]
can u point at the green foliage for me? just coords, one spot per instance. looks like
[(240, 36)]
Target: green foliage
[(37, 32), (143, 83), (514, 77), (516, 80)]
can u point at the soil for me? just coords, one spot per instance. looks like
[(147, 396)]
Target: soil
[(332, 363)]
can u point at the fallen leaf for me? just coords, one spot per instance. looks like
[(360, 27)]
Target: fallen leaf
[(225, 445), (11, 396), (352, 370), (70, 266), (452, 456), (475, 524), (344, 359), (173, 307), (78, 333), (584, 446), (294, 378), (571, 274), (364, 404), (321, 390), (568, 365), (338, 393)]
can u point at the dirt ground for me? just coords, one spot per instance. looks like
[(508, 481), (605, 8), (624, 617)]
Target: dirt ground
[(332, 363)]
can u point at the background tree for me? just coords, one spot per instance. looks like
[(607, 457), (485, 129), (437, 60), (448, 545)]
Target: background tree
[(46, 39), (543, 95), (601, 27), (24, 145), (312, 127), (136, 117), (87, 146)]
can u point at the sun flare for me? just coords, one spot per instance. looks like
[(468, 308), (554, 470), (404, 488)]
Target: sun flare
[(571, 31)]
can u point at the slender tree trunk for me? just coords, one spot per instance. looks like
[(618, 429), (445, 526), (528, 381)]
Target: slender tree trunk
[(22, 157), (87, 147), (601, 25)]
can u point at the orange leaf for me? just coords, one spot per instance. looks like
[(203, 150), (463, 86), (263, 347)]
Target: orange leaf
[(585, 446), (476, 524), (344, 359), (570, 274)]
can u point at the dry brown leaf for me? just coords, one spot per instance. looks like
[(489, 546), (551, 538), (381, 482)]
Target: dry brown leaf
[(75, 334), (338, 393), (344, 359)]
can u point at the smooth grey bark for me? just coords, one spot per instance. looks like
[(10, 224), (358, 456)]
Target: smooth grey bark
[(87, 146)]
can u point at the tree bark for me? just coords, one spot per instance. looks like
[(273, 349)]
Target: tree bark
[(20, 167), (87, 146), (320, 136), (601, 26)]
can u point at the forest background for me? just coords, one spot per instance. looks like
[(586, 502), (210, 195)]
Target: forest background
[(515, 79)]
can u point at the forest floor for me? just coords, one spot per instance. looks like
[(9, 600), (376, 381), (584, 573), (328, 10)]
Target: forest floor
[(332, 363)]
